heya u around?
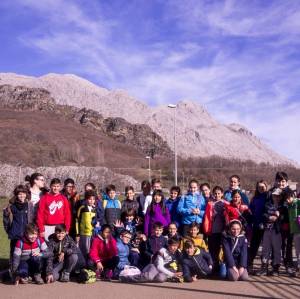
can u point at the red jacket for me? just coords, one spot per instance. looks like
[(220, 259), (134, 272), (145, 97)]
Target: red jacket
[(232, 212), (53, 210), (103, 250)]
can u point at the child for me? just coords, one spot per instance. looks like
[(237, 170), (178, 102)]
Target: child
[(234, 184), (191, 207), (28, 255), (235, 247), (15, 216), (111, 206), (155, 186), (157, 212), (257, 206), (196, 262), (214, 223), (129, 221), (206, 192), (294, 218), (237, 210), (36, 191), (146, 189), (172, 204), (53, 209), (173, 231), (155, 242), (64, 255), (86, 220), (69, 191), (123, 251), (272, 237), (166, 265), (104, 254), (130, 202), (138, 246), (195, 237)]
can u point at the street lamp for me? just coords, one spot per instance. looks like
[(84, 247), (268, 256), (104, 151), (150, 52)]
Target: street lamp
[(172, 106), (149, 169)]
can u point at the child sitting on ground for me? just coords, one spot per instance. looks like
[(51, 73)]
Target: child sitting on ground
[(173, 231), (27, 258), (64, 255), (195, 236), (196, 263)]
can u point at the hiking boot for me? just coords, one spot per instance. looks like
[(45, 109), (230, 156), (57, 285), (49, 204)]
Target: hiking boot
[(263, 270), (65, 276), (38, 279)]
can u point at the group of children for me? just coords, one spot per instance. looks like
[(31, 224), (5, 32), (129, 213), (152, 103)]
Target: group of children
[(57, 232)]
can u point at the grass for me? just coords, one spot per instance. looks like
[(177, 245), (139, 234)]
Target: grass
[(4, 242)]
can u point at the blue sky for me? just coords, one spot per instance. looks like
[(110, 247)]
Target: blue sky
[(240, 59)]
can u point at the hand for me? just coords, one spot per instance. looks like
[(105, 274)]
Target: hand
[(49, 278), (61, 257), (236, 269), (273, 218), (135, 250), (100, 266), (118, 223), (143, 237), (17, 280), (178, 274), (194, 278), (210, 266), (290, 200), (277, 213), (77, 239), (42, 235), (35, 253), (241, 270)]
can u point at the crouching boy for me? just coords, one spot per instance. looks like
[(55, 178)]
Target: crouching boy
[(196, 263), (64, 255), (28, 256)]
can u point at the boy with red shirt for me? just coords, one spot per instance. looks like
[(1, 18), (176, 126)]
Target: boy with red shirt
[(53, 209)]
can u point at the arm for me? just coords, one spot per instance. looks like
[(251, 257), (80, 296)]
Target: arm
[(7, 214), (67, 210), (72, 247), (146, 223), (16, 257), (244, 254), (160, 266), (40, 214), (186, 271), (229, 260), (181, 209), (148, 200), (207, 257), (94, 251)]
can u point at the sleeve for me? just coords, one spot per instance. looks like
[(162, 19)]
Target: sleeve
[(78, 220), (244, 254), (67, 210), (207, 219), (229, 260), (207, 257), (181, 209), (94, 251), (186, 271), (40, 219), (159, 262), (168, 216), (245, 199), (114, 247), (16, 257), (202, 207), (146, 223), (45, 250), (6, 219), (148, 200)]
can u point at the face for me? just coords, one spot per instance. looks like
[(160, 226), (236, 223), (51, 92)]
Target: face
[(262, 188), (193, 187), (218, 195), (172, 229), (173, 194), (112, 194), (91, 201), (70, 188), (236, 199), (55, 188), (88, 188), (146, 189), (206, 191), (194, 231), (156, 186), (235, 230), (130, 195), (282, 184), (126, 238), (234, 183), (190, 251), (40, 182), (60, 235), (106, 233), (32, 237), (129, 218), (276, 198), (172, 248), (158, 232), (157, 198), (21, 197)]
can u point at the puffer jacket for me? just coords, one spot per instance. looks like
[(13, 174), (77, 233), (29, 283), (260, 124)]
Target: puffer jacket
[(123, 253)]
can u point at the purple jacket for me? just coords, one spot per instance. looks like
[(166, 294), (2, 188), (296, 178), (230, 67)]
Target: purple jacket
[(158, 216)]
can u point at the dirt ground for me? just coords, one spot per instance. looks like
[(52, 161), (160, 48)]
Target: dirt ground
[(257, 287)]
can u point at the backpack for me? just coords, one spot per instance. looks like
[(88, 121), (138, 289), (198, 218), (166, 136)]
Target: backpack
[(130, 274), (87, 276)]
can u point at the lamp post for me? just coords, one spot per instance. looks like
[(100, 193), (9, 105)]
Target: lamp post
[(172, 106), (149, 169)]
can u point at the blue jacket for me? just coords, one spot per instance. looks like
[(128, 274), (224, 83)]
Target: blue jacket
[(245, 199), (15, 219), (123, 253), (172, 206), (187, 203), (235, 250), (257, 207)]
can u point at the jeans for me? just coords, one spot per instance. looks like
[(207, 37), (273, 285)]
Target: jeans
[(67, 265), (30, 267)]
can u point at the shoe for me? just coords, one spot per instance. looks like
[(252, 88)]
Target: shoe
[(24, 280), (291, 272), (108, 274), (274, 271), (38, 279), (65, 276), (263, 271)]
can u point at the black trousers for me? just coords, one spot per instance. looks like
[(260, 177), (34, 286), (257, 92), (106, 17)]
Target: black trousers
[(287, 248), (257, 236), (214, 246)]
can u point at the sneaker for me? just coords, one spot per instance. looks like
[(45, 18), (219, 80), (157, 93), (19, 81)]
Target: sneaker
[(38, 279), (274, 271), (291, 272), (108, 274), (263, 271), (65, 276), (24, 280)]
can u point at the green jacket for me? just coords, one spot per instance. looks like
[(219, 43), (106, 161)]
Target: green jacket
[(294, 213)]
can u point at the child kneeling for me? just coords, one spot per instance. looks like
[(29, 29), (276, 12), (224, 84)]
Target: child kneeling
[(235, 248), (196, 262), (64, 255)]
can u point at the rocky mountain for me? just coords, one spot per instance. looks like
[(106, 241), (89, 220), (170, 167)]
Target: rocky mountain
[(198, 134)]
